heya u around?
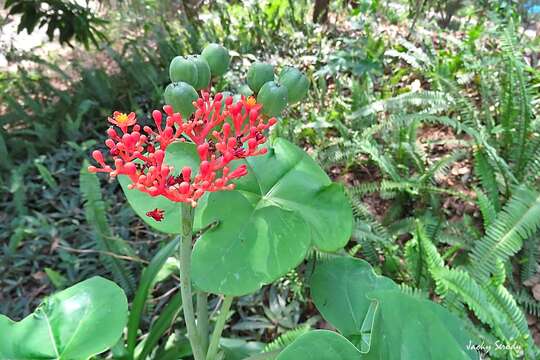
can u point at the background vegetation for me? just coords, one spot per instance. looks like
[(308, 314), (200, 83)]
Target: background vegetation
[(427, 110)]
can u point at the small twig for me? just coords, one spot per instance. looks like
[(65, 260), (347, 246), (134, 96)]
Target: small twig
[(166, 294), (91, 251), (213, 313), (208, 227)]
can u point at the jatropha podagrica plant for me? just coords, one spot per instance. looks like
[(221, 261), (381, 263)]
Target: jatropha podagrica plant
[(207, 164), (140, 155)]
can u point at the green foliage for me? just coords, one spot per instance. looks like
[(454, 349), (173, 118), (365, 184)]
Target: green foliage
[(284, 193), (519, 219), (320, 344), (378, 315), (110, 245), (66, 18), (86, 319), (377, 104)]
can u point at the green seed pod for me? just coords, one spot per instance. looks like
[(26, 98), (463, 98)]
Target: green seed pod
[(259, 74), (181, 96), (217, 57), (296, 82), (183, 69), (273, 98), (245, 90), (203, 72)]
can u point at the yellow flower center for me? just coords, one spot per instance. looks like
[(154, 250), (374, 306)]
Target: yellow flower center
[(251, 101), (121, 118)]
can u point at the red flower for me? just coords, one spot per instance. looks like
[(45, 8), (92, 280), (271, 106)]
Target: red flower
[(141, 156), (156, 214), (122, 120)]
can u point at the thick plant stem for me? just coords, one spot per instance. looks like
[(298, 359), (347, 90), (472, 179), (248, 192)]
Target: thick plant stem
[(185, 281), (202, 319), (218, 328)]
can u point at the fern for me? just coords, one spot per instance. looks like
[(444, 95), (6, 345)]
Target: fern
[(513, 317), (286, 339), (96, 216), (530, 304), (414, 188), (489, 213), (431, 101), (529, 257), (486, 174), (519, 219), (521, 96), (409, 290), (459, 282)]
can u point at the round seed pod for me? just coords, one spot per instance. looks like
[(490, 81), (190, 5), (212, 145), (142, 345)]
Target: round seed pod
[(203, 72), (181, 96), (273, 98), (245, 90), (259, 74), (183, 69), (217, 57), (296, 82)]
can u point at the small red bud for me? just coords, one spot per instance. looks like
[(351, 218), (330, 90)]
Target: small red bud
[(168, 110), (98, 156), (186, 173)]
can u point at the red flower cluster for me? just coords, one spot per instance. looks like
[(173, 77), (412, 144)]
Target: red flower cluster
[(222, 131)]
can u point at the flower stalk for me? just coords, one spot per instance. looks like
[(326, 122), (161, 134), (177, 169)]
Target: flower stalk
[(218, 328), (185, 281), (202, 319)]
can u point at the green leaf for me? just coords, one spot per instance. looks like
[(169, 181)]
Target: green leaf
[(161, 325), (420, 329), (238, 349), (147, 280), (339, 286), (285, 204), (251, 246), (77, 323), (288, 177), (373, 312), (178, 154), (320, 345), (58, 280)]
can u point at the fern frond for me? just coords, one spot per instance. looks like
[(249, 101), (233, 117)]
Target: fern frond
[(486, 174), (387, 186), (529, 257), (432, 257), (431, 101), (412, 291), (441, 167), (95, 213), (527, 302), (519, 219), (460, 283), (486, 208), (382, 160), (286, 339), (506, 305)]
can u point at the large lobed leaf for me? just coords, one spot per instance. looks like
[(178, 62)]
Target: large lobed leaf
[(77, 323), (178, 155), (320, 345), (382, 321), (285, 205)]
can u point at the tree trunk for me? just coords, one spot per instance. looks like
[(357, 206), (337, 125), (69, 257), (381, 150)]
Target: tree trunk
[(320, 11)]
